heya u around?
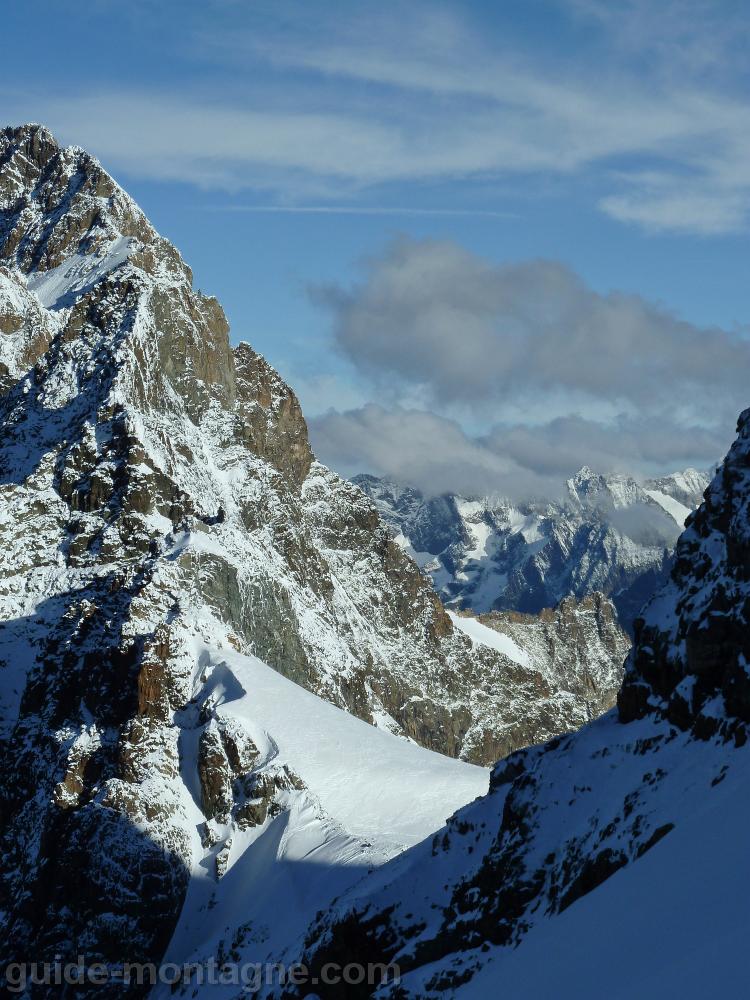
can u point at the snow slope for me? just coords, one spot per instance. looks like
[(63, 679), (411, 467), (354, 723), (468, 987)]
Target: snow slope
[(674, 927), (485, 636), (612, 863), (60, 286), (367, 796), (669, 925), (376, 784), (678, 510)]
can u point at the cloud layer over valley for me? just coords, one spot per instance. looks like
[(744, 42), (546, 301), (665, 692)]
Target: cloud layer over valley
[(545, 372)]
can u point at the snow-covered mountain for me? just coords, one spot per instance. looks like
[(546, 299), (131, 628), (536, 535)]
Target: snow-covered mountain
[(609, 534), (167, 542), (610, 862)]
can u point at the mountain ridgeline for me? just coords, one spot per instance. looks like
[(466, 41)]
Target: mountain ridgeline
[(609, 534), (162, 517)]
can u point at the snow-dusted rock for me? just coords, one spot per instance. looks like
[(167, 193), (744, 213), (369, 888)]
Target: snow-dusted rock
[(160, 513), (578, 646), (691, 654), (609, 534)]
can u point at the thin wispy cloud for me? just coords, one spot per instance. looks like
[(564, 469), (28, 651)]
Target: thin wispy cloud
[(691, 123), (366, 210), (344, 107), (700, 37)]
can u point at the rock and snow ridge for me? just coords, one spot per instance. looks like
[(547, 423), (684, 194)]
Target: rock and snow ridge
[(611, 535), (164, 530), (611, 861), (577, 647)]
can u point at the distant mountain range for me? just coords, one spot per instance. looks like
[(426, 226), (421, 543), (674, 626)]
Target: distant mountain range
[(609, 534)]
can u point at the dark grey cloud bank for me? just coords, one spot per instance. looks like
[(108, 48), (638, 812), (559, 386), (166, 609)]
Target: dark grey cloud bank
[(611, 380)]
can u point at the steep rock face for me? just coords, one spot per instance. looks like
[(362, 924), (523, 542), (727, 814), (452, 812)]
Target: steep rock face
[(576, 652), (609, 534), (477, 910), (691, 653), (579, 646), (157, 489)]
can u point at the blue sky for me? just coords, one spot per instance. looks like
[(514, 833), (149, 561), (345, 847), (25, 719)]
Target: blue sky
[(310, 158)]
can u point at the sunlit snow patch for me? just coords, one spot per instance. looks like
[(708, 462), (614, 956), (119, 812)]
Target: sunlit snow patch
[(59, 287), (479, 633), (673, 507)]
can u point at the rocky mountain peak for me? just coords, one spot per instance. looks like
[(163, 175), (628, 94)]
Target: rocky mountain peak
[(67, 229), (58, 201), (161, 512), (691, 654), (596, 491), (584, 475)]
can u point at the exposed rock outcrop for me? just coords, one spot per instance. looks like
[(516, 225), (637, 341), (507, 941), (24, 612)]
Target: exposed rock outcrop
[(692, 649), (579, 646)]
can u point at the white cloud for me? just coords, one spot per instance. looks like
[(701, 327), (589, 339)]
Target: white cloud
[(434, 454), (369, 100), (675, 206), (551, 374), (420, 449), (433, 316)]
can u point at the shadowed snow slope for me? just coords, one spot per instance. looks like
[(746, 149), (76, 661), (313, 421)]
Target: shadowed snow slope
[(353, 797), (672, 928), (610, 862)]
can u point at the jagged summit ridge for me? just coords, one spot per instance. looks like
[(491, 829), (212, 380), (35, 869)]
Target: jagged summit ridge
[(158, 499)]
